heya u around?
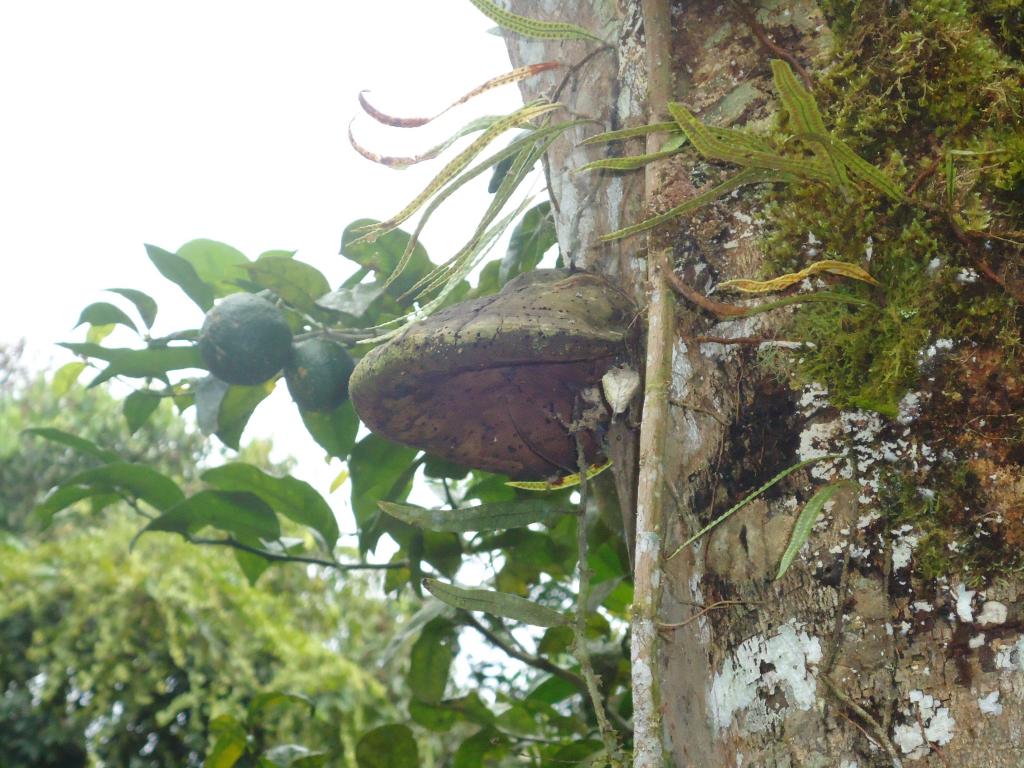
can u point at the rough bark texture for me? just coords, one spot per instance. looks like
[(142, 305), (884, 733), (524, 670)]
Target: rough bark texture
[(843, 662)]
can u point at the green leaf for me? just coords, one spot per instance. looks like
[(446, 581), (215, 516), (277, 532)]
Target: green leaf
[(628, 163), (473, 751), (389, 746), (353, 301), (105, 313), (135, 480), (495, 603), (58, 499), (433, 717), (65, 377), (138, 363), (138, 407), (523, 25), (216, 264), (335, 431), (377, 465), (228, 742), (288, 496), (98, 333), (484, 517), (209, 394), (430, 661), (384, 255), (180, 272), (631, 133), (252, 565), (268, 701), (244, 515), (296, 282), (753, 495), (746, 176), (235, 409), (805, 524), (74, 442), (443, 551), (529, 242), (144, 304)]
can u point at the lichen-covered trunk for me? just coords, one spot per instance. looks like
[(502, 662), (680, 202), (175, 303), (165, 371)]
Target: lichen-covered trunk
[(897, 636)]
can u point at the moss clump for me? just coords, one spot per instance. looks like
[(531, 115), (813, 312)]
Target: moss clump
[(927, 93), (957, 536)]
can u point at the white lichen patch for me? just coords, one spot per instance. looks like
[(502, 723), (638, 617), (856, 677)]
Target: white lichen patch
[(813, 398), (909, 408), (904, 541), (992, 612), (763, 666), (938, 726), (964, 596), (1011, 657), (989, 705)]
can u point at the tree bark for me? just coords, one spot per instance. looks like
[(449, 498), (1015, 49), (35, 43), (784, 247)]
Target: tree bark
[(835, 664)]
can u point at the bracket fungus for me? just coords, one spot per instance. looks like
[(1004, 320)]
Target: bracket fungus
[(497, 383)]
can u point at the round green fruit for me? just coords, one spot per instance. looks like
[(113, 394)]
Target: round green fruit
[(245, 340), (318, 374)]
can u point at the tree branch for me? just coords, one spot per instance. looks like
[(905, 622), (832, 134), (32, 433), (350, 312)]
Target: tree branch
[(536, 662)]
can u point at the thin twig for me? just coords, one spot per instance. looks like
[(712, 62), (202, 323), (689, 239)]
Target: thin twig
[(512, 651), (648, 747), (278, 558), (703, 611), (580, 650), (762, 37), (879, 733)]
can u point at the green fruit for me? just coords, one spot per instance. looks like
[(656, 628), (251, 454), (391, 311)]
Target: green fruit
[(318, 374), (245, 340)]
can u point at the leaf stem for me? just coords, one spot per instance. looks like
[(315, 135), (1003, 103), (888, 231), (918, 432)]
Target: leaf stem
[(233, 543)]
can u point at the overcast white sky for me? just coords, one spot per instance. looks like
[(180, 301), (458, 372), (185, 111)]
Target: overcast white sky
[(132, 121)]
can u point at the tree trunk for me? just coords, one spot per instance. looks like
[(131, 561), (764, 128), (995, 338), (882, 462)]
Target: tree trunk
[(872, 649)]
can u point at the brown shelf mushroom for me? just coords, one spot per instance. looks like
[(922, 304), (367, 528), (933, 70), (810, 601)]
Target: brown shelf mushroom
[(492, 383)]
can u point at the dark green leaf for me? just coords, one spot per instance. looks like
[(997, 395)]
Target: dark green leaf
[(180, 272), (433, 717), (556, 640), (217, 264), (473, 751), (377, 466), (552, 690), (136, 480), (389, 746), (288, 496), (76, 443), (138, 407), (334, 431), (105, 313), (430, 661), (530, 240), (443, 551), (296, 282), (252, 565), (484, 517), (144, 303), (244, 515), (496, 604), (437, 467), (294, 756)]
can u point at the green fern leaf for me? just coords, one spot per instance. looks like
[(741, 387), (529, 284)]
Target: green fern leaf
[(523, 25)]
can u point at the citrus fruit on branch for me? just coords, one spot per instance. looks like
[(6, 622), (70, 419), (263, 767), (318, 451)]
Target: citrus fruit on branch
[(245, 339)]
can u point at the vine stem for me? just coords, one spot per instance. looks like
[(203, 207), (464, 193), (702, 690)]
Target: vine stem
[(648, 750)]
